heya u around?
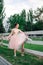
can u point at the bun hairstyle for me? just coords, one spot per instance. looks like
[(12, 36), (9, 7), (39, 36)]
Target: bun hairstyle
[(15, 24)]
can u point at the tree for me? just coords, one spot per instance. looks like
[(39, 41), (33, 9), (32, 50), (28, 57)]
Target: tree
[(31, 17), (23, 20), (29, 20), (39, 25), (1, 17), (26, 24), (38, 14), (13, 19)]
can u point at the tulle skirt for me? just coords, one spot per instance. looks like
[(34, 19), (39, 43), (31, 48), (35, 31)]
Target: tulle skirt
[(17, 40)]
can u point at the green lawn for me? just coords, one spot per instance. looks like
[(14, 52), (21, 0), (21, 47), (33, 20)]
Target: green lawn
[(5, 41), (28, 59), (34, 47)]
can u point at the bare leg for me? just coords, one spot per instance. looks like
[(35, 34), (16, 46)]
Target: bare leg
[(22, 50), (14, 52)]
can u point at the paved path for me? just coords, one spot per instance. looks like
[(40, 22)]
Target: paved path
[(3, 61)]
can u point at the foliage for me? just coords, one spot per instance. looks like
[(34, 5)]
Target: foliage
[(21, 19), (1, 17), (26, 20)]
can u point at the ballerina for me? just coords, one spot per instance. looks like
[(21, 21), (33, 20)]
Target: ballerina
[(17, 39)]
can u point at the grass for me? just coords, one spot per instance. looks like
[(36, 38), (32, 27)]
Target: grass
[(5, 41), (28, 59), (34, 47)]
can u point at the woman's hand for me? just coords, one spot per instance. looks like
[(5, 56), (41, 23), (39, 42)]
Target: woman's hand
[(8, 38), (10, 35)]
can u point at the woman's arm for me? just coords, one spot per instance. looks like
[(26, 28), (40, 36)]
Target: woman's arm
[(21, 31), (10, 34)]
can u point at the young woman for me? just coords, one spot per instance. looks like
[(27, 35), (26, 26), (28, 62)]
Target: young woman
[(17, 39)]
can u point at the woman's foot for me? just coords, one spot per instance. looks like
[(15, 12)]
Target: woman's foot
[(15, 55), (22, 54)]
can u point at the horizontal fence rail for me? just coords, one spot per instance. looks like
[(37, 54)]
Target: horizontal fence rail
[(28, 32), (37, 53), (34, 32)]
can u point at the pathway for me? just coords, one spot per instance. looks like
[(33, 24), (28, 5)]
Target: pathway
[(3, 61)]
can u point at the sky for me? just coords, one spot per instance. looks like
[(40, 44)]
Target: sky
[(16, 6)]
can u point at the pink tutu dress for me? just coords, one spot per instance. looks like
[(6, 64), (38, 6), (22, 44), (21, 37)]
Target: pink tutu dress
[(17, 39)]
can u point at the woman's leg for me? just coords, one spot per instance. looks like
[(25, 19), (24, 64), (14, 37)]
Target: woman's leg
[(14, 52), (22, 50)]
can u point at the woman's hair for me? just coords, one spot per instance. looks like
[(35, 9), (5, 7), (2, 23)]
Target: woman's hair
[(15, 24)]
